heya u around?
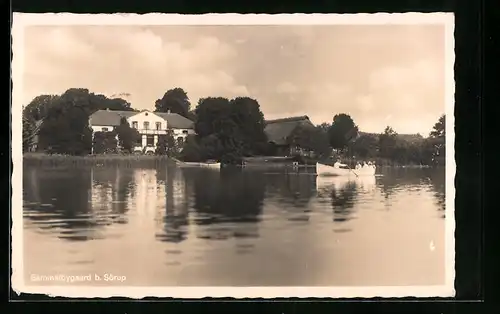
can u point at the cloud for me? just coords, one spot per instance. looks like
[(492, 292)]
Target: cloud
[(369, 72), (127, 60), (286, 88), (414, 91)]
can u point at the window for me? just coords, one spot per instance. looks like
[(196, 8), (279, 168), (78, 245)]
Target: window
[(184, 132), (146, 125), (105, 129), (134, 124), (158, 125), (150, 140)]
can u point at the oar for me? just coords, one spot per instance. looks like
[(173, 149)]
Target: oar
[(352, 171)]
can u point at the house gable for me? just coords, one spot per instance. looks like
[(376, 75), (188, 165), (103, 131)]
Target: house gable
[(147, 120)]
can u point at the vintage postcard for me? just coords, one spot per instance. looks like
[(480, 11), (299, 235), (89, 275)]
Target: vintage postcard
[(229, 155)]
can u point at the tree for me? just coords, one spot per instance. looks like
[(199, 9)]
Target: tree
[(439, 128), (28, 129), (387, 143), (191, 115), (105, 143), (211, 113), (217, 132), (365, 146), (192, 151), (311, 138), (167, 145), (38, 108), (325, 127), (437, 140), (342, 131), (213, 148), (65, 127), (90, 102), (230, 129), (174, 100), (127, 136), (246, 114)]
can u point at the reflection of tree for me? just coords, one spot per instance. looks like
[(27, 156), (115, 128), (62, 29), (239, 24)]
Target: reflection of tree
[(393, 179), (438, 184), (404, 179), (58, 200), (176, 217), (387, 185), (63, 198), (343, 200), (228, 202), (294, 190)]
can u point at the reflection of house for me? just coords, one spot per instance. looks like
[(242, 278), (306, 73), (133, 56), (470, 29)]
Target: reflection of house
[(149, 124), (279, 131)]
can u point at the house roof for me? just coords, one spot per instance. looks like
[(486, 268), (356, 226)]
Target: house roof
[(113, 118), (279, 130), (110, 117), (176, 121)]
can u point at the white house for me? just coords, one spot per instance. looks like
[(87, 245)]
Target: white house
[(149, 124)]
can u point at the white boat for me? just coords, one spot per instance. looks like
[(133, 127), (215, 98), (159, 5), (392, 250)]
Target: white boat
[(325, 170), (209, 165)]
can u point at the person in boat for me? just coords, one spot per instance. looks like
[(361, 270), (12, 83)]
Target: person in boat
[(339, 165)]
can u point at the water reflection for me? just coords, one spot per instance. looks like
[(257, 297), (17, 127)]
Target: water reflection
[(227, 204), (343, 193), (438, 180), (74, 204), (295, 190), (176, 218), (410, 180), (202, 227)]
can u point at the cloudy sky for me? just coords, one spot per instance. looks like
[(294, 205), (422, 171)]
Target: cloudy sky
[(379, 74)]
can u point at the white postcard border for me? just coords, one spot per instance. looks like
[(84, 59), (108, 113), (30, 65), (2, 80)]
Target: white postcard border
[(22, 20)]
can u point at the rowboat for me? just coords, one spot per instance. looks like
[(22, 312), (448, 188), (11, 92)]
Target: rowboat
[(325, 170), (209, 165)]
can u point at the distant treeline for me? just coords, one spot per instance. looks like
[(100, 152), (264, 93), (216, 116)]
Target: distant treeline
[(226, 130)]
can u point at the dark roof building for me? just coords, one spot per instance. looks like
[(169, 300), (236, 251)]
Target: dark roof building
[(176, 121), (279, 130), (109, 117)]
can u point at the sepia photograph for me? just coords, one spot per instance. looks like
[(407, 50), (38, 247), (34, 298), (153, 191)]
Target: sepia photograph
[(230, 155)]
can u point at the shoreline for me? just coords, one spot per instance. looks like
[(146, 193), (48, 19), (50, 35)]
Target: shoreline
[(40, 159)]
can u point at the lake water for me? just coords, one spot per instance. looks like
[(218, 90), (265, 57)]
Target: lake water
[(195, 227)]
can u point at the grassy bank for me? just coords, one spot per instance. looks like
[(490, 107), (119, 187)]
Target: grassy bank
[(106, 160), (126, 160)]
